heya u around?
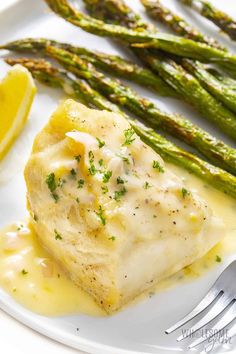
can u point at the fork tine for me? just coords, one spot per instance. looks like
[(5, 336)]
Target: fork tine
[(218, 327), (206, 301), (224, 281), (216, 310)]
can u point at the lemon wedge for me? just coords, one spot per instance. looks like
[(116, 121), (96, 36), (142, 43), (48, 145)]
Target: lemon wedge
[(17, 91)]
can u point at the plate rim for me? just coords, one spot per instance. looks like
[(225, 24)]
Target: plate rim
[(24, 316)]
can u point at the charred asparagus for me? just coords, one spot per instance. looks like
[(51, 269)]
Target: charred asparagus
[(219, 18), (178, 24), (187, 86), (224, 93), (143, 39), (110, 63)]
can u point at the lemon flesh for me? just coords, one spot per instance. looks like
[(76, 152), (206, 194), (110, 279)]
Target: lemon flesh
[(17, 91)]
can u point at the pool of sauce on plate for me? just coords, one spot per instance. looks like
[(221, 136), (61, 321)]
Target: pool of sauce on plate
[(34, 279), (224, 207)]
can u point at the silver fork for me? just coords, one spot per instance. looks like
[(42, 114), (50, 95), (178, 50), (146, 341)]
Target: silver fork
[(221, 299)]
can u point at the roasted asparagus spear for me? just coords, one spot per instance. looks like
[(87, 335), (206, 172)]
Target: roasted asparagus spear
[(178, 24), (143, 39), (186, 85), (109, 10), (219, 18), (223, 93), (113, 64), (225, 80), (128, 70), (216, 151), (193, 92), (99, 10), (156, 9), (215, 176), (119, 13)]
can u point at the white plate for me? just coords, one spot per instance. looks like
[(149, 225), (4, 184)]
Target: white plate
[(139, 328)]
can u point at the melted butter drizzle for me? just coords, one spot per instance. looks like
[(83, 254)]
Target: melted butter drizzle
[(34, 279)]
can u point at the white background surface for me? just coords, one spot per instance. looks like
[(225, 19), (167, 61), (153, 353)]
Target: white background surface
[(16, 338)]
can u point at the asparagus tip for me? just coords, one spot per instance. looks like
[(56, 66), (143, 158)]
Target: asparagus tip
[(32, 64), (11, 61), (3, 46)]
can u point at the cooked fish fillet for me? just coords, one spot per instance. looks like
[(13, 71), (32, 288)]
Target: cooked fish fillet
[(108, 209)]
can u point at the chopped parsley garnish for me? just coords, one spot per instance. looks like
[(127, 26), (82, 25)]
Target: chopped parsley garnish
[(77, 200), (55, 197), (92, 168), (113, 238), (119, 180), (157, 166), (185, 192), (129, 136), (73, 173), (52, 186), (101, 143), (78, 158), (51, 182), (24, 272), (91, 155), (57, 235), (101, 162), (218, 259), (104, 189), (106, 176), (101, 216), (146, 185), (80, 183), (124, 158), (119, 194)]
